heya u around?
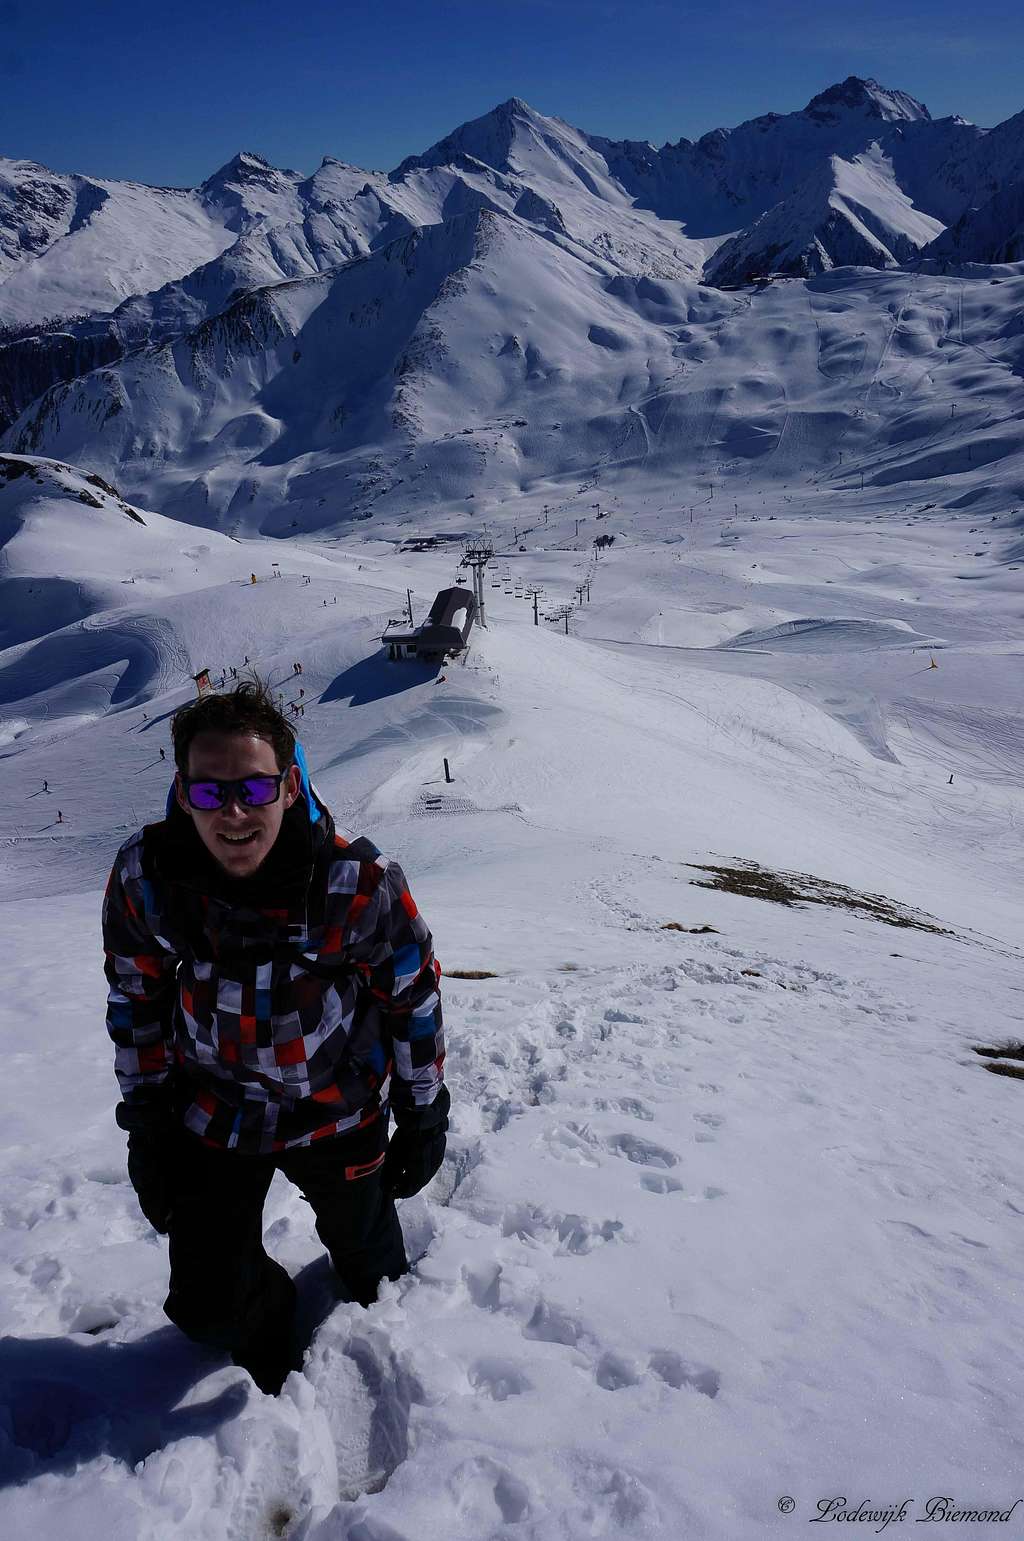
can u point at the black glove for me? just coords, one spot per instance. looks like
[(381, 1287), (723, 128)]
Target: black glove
[(416, 1149), (152, 1132)]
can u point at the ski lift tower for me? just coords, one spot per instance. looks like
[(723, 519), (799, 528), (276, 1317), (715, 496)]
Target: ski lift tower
[(477, 556)]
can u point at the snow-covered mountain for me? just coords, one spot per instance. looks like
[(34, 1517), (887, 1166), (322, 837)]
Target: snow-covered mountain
[(267, 226), (484, 359), (850, 212), (154, 261), (75, 244), (267, 402), (971, 173), (722, 182), (522, 300), (993, 233)]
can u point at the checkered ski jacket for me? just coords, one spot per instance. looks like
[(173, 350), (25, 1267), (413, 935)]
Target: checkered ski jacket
[(271, 1013)]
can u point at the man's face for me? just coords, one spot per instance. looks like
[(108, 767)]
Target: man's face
[(239, 838)]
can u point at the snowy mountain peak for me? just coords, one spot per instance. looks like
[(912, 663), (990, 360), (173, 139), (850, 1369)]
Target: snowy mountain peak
[(248, 189), (488, 139), (866, 96), (247, 169)]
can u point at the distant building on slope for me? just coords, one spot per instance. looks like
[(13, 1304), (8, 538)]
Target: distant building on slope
[(445, 631)]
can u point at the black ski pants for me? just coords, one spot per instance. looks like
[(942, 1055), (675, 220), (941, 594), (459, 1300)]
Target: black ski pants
[(224, 1289)]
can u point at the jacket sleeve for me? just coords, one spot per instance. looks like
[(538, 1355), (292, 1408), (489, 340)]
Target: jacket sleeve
[(140, 970), (392, 949)]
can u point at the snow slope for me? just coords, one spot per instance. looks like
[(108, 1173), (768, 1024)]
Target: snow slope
[(70, 244), (727, 1214), (483, 359), (991, 233)]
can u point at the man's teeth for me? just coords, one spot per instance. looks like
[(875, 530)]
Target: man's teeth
[(240, 839)]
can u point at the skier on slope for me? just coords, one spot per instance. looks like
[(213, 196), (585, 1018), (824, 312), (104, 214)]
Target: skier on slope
[(273, 999)]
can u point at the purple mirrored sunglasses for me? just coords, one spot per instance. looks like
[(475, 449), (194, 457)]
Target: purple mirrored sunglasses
[(207, 794)]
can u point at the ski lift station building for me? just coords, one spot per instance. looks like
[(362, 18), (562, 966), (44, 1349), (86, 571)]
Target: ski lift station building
[(445, 631)]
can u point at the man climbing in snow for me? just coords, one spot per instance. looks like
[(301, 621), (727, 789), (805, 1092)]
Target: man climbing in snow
[(273, 1001)]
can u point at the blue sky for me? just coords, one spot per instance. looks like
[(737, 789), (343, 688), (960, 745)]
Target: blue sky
[(166, 94)]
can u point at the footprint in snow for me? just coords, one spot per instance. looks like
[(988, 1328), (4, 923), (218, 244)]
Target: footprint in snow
[(365, 1393), (614, 1372), (487, 1495), (615, 1502), (655, 1183), (497, 1379), (678, 1372), (551, 1323), (566, 1233), (44, 1271), (632, 1106), (484, 1286), (572, 1142), (709, 1122), (641, 1152)]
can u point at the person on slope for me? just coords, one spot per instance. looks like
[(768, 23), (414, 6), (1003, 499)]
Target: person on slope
[(273, 1001)]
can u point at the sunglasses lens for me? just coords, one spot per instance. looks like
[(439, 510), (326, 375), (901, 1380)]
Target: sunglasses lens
[(206, 795), (257, 791), (251, 792)]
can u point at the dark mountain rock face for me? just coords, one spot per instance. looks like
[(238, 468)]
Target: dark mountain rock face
[(856, 95), (30, 365), (33, 211)]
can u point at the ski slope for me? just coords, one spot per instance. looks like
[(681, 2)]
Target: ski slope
[(728, 1215)]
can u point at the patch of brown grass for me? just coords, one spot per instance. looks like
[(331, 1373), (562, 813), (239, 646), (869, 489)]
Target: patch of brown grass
[(996, 1055), (998, 1068), (750, 881)]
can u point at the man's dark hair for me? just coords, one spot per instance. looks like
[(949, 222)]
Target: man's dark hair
[(249, 708)]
